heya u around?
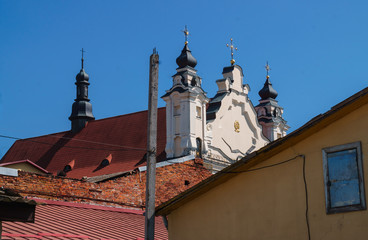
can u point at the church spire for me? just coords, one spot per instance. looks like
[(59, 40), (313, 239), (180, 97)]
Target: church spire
[(82, 108), (186, 58), (269, 112), (267, 91), (82, 57)]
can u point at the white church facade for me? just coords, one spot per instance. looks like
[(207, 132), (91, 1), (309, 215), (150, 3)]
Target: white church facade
[(225, 128)]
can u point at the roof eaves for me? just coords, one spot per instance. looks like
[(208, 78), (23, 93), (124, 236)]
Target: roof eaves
[(90, 206), (315, 124), (10, 196)]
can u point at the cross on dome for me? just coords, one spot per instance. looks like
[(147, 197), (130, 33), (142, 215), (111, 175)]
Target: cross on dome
[(267, 67), (231, 46), (82, 56), (186, 33)]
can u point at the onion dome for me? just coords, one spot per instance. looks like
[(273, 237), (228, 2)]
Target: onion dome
[(267, 91), (81, 108), (82, 76), (186, 58)]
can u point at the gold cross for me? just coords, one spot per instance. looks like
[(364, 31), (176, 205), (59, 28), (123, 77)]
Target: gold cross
[(231, 46), (267, 69), (186, 33)]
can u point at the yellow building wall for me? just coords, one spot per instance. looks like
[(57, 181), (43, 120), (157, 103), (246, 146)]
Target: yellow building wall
[(26, 167), (270, 203)]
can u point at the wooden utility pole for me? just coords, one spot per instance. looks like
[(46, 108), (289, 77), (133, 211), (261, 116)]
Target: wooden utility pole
[(151, 148)]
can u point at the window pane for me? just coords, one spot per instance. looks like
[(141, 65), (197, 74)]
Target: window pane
[(343, 177), (344, 190), (342, 165), (344, 193)]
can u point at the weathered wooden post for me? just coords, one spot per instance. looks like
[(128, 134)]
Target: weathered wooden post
[(151, 148)]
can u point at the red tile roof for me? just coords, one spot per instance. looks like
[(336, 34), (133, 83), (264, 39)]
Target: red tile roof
[(124, 137), (63, 220)]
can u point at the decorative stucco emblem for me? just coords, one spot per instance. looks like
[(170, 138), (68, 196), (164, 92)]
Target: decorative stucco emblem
[(236, 126)]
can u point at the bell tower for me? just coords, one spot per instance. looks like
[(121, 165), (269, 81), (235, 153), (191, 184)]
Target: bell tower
[(185, 109), (82, 108), (269, 112)]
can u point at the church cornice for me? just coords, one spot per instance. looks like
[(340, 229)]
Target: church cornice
[(182, 89), (270, 102), (231, 68)]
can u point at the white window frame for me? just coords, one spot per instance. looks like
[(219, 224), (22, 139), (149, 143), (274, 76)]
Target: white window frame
[(345, 208)]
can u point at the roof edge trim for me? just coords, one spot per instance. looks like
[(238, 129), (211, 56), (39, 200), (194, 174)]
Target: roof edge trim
[(89, 206), (169, 162)]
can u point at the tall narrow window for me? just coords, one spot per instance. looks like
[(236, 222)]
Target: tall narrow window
[(177, 110), (343, 174), (199, 148), (199, 112)]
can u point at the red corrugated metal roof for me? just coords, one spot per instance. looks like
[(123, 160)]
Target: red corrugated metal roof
[(58, 220), (124, 137)]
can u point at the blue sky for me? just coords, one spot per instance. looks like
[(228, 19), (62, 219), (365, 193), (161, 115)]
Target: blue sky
[(316, 49)]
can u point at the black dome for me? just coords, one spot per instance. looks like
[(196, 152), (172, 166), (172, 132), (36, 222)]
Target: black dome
[(186, 58), (267, 91), (82, 76)]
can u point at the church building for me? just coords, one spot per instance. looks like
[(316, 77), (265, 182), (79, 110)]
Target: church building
[(220, 130), (225, 128)]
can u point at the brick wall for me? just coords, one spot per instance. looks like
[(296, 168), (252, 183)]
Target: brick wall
[(128, 191)]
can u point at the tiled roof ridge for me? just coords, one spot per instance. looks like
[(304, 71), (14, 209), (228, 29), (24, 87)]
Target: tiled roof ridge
[(97, 120), (89, 206), (30, 138), (123, 115)]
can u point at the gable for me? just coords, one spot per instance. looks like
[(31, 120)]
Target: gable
[(232, 121), (25, 165)]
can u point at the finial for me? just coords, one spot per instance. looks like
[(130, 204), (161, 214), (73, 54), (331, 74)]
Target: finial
[(154, 51), (231, 45), (82, 56), (267, 67), (186, 33)]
